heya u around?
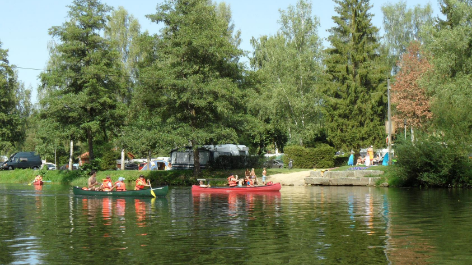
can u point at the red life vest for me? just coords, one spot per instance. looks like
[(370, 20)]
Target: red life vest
[(140, 184), (120, 186)]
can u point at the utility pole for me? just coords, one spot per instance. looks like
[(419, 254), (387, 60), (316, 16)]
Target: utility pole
[(389, 125), (71, 154)]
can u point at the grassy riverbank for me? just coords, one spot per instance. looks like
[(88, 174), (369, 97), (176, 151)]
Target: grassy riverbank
[(171, 177)]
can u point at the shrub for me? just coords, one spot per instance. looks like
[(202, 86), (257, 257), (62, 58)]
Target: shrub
[(320, 157), (433, 163), (324, 156)]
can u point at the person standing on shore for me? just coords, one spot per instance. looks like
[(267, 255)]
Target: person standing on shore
[(264, 174)]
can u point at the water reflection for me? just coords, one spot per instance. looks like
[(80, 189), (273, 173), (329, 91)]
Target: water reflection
[(237, 203), (110, 208), (299, 225)]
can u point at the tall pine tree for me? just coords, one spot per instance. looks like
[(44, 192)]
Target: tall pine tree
[(81, 86), (194, 79), (356, 99)]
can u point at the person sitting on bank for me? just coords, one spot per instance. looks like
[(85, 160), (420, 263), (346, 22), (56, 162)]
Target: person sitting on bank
[(107, 184), (141, 183), (360, 161), (92, 181), (120, 184), (232, 181)]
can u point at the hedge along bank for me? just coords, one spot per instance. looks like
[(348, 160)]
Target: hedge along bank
[(79, 177)]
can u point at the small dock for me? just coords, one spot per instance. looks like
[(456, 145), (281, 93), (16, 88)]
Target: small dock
[(345, 178)]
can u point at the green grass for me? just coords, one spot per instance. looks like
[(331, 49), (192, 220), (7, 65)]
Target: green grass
[(171, 177)]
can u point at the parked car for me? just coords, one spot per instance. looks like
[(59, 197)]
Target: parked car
[(131, 166), (49, 166), (66, 166), (274, 163), (23, 160)]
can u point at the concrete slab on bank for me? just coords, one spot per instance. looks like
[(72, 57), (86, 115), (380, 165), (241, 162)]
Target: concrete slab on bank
[(344, 178)]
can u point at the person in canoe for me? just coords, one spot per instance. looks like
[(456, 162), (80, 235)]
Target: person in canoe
[(232, 181), (38, 179), (107, 184), (253, 177), (92, 181), (141, 183), (120, 184)]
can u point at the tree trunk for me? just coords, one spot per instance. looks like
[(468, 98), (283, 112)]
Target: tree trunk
[(149, 160), (412, 135), (71, 154), (122, 159), (196, 160)]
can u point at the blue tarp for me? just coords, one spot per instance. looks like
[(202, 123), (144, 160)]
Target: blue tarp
[(351, 160), (385, 161)]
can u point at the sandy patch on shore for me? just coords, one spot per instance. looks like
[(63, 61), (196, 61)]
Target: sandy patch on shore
[(290, 179)]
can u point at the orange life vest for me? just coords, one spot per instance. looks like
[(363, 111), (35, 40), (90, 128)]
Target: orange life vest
[(107, 184), (120, 186), (232, 182), (38, 179), (140, 184)]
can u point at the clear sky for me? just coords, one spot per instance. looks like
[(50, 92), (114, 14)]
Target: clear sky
[(24, 24)]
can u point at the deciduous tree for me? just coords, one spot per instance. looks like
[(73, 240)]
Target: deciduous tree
[(289, 69), (403, 25), (409, 97), (450, 44)]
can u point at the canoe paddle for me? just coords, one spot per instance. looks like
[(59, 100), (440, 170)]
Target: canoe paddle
[(152, 192)]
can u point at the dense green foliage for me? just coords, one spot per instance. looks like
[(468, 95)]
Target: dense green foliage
[(82, 87), (288, 66), (195, 75), (449, 83), (13, 100), (319, 157), (430, 162), (355, 107)]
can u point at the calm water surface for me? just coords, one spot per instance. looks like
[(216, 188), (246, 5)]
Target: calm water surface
[(299, 225)]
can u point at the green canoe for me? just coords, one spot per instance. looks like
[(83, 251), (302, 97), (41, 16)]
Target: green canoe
[(161, 191)]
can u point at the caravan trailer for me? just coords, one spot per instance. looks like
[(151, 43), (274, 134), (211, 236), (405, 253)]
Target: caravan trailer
[(183, 159)]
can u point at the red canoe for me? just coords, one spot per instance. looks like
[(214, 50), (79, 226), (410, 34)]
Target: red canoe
[(38, 183), (273, 187)]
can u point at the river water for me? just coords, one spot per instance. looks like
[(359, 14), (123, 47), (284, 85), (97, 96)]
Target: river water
[(298, 225)]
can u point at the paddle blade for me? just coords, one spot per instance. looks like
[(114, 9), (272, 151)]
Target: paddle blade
[(153, 194)]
